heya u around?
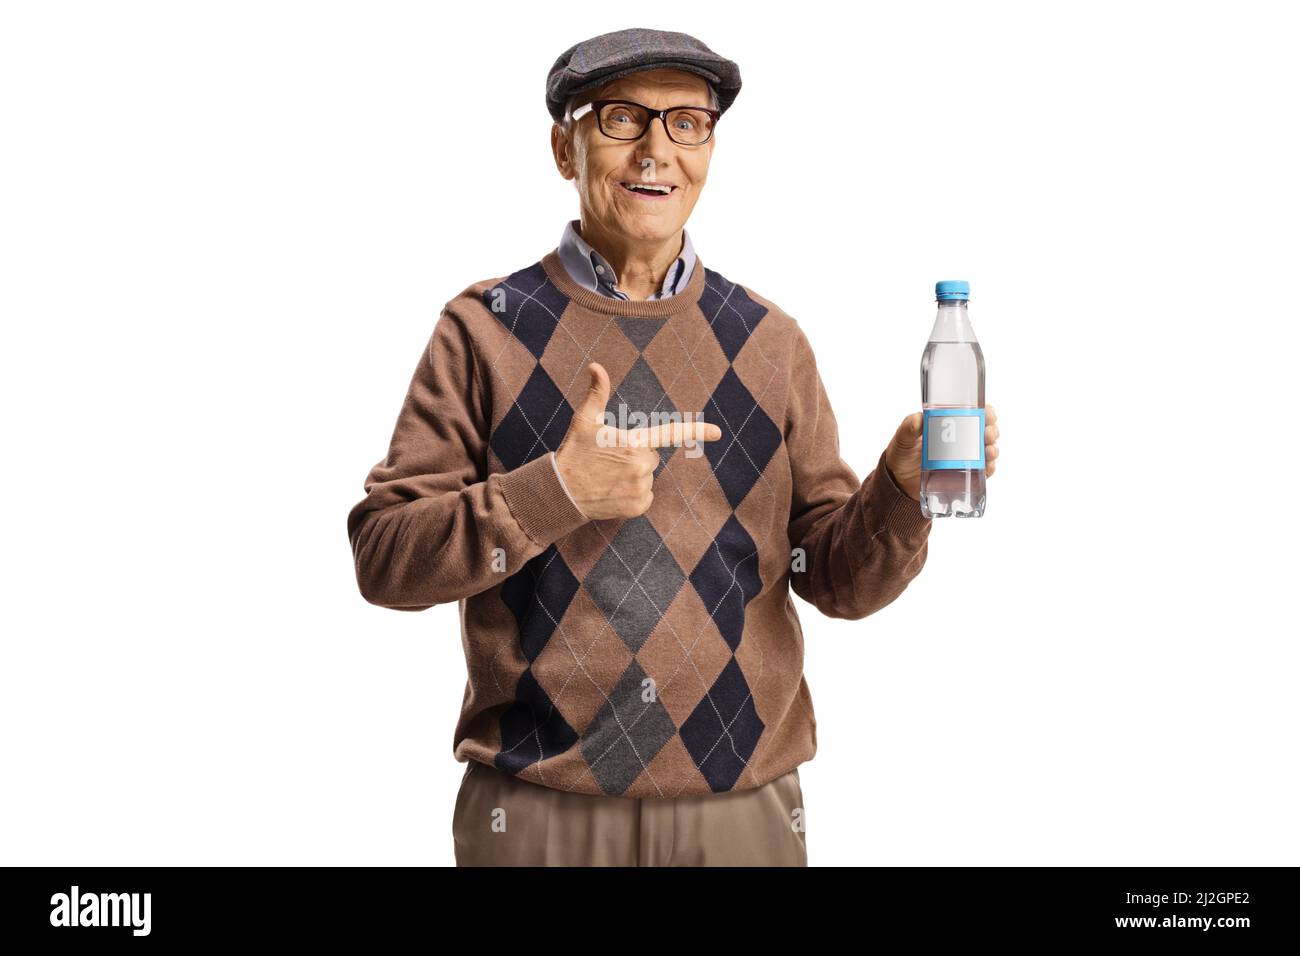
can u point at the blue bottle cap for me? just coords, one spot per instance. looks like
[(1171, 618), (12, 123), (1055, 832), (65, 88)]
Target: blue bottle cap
[(952, 289)]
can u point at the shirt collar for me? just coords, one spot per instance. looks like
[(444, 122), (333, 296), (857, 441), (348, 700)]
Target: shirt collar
[(592, 271)]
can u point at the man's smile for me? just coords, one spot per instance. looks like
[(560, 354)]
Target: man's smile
[(651, 192)]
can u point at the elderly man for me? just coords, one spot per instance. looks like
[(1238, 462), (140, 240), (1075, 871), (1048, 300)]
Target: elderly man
[(620, 463)]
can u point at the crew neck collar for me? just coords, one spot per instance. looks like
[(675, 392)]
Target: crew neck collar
[(637, 308)]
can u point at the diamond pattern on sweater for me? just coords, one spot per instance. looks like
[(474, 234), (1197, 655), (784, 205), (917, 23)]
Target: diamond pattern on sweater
[(627, 733), (723, 730), (638, 573), (532, 728), (639, 331), (535, 424), (528, 305), (727, 579), (735, 315), (749, 438), (538, 595), (641, 391), (634, 581)]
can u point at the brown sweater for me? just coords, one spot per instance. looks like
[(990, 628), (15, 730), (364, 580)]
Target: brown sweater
[(653, 656)]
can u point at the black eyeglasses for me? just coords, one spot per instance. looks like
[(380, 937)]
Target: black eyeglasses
[(623, 119)]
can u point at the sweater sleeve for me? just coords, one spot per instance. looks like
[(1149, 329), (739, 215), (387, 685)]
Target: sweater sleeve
[(429, 526), (862, 543)]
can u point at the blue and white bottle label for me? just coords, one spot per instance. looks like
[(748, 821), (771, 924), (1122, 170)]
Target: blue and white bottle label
[(952, 438)]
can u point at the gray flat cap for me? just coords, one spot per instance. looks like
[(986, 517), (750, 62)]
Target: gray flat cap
[(592, 63)]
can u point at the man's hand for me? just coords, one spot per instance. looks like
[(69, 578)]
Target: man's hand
[(903, 456), (610, 471)]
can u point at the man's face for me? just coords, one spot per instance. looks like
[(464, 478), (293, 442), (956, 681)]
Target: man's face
[(602, 165)]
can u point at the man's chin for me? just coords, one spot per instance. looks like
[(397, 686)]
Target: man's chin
[(648, 227)]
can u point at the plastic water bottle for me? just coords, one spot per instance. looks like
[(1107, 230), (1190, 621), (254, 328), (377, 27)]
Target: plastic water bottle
[(952, 403)]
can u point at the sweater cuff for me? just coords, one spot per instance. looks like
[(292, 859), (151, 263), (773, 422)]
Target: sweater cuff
[(539, 501), (902, 513)]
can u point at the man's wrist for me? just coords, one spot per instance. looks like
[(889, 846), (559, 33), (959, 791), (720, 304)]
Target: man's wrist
[(559, 474), (899, 485), (902, 513)]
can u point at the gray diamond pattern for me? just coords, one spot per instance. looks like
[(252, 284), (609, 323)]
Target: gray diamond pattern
[(639, 331), (627, 734), (641, 391), (634, 581)]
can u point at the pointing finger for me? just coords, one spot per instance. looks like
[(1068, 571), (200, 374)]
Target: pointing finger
[(674, 433)]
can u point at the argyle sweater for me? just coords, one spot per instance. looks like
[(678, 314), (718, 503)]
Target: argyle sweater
[(653, 656)]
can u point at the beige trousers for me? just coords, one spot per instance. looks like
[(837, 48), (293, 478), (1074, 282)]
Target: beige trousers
[(501, 820)]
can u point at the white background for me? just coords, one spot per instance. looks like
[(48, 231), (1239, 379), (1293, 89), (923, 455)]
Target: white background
[(227, 229)]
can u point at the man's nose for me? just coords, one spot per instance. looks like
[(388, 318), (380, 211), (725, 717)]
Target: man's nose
[(655, 144)]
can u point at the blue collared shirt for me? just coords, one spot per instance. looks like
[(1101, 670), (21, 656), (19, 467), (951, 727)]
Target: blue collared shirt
[(589, 268)]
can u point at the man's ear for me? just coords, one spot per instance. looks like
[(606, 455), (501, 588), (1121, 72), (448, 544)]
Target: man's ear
[(562, 148)]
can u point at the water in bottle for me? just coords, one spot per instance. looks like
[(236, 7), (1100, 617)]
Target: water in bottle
[(952, 402)]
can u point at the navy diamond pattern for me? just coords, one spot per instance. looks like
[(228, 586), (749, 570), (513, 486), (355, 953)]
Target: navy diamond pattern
[(723, 730), (532, 728), (734, 314), (529, 306), (538, 594), (727, 579), (749, 438), (535, 424)]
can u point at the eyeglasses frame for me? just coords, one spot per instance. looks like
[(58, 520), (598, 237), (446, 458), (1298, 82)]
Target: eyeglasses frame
[(597, 105)]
